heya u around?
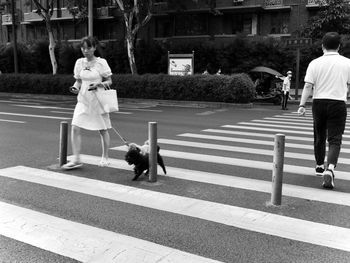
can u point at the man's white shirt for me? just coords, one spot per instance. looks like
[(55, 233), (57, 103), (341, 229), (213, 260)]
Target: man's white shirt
[(330, 76)]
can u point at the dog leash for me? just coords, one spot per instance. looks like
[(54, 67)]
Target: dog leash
[(121, 137), (114, 129)]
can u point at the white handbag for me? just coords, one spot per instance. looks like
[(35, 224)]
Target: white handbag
[(107, 99)]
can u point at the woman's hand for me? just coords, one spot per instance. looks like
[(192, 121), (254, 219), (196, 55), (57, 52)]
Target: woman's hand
[(74, 90), (94, 86)]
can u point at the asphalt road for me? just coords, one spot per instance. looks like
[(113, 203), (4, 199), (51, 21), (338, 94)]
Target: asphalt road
[(30, 137)]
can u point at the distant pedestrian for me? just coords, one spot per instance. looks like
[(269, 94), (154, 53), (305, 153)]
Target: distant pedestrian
[(91, 73), (286, 90), (329, 77)]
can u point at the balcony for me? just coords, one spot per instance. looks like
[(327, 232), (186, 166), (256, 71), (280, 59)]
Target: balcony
[(106, 12), (160, 8), (6, 19), (275, 5), (316, 3), (31, 16), (62, 14), (232, 5)]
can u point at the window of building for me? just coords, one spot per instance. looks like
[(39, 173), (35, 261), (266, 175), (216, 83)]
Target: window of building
[(63, 3), (191, 24), (279, 23), (237, 23), (164, 27), (106, 30), (99, 3)]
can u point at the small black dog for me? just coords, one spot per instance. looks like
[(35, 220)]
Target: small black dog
[(138, 156)]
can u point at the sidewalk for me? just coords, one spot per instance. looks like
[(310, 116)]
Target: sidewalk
[(199, 104)]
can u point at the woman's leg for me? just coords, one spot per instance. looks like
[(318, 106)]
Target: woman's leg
[(105, 141), (76, 143)]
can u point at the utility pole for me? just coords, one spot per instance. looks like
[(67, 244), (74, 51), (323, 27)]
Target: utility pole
[(15, 57), (90, 18)]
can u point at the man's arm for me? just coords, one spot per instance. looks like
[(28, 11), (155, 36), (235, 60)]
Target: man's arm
[(304, 96)]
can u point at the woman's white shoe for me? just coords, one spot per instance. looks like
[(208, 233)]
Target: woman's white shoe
[(104, 162)]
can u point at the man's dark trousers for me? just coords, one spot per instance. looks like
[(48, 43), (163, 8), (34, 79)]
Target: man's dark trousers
[(285, 100), (329, 123)]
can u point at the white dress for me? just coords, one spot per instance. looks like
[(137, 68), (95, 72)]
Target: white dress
[(86, 113)]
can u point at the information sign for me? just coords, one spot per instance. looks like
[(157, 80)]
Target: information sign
[(180, 64)]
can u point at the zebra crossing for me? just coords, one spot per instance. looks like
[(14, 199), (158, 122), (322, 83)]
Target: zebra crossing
[(246, 145)]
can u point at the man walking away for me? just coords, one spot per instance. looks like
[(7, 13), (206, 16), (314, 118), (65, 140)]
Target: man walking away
[(329, 77)]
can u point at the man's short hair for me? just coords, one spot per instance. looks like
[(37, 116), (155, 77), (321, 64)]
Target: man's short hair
[(331, 40)]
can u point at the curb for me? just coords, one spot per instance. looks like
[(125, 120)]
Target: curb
[(195, 104)]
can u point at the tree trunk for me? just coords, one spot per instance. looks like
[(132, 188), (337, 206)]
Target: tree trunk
[(52, 46), (130, 47)]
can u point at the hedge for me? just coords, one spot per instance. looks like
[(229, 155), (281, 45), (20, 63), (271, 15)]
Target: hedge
[(236, 88)]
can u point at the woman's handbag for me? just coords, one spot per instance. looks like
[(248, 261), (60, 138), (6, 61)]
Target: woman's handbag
[(107, 99)]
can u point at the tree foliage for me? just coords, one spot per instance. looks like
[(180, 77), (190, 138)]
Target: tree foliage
[(46, 11), (78, 8), (136, 14), (333, 15)]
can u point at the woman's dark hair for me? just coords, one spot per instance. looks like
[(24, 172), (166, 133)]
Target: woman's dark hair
[(92, 42), (331, 40), (89, 41)]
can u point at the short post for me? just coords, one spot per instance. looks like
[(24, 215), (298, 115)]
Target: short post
[(152, 137), (277, 173), (63, 143)]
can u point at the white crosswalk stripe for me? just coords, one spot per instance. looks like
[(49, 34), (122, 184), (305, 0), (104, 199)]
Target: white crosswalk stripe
[(255, 138), (296, 229)]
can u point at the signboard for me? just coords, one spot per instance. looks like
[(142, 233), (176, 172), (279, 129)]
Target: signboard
[(299, 42), (180, 64)]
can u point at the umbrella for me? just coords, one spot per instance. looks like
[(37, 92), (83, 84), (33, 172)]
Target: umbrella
[(266, 70)]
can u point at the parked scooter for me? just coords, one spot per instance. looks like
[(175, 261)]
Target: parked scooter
[(268, 85), (275, 96)]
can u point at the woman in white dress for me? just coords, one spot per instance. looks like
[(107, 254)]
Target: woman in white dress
[(91, 73)]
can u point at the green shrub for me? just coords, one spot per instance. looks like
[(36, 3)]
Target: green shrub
[(36, 83), (237, 88)]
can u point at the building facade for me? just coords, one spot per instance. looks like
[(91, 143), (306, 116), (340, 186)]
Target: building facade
[(204, 20)]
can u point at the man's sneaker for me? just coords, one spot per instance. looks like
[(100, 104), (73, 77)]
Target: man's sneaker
[(328, 179), (319, 171)]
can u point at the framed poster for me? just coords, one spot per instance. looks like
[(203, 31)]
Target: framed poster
[(180, 64)]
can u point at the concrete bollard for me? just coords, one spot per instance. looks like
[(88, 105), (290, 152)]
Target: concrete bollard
[(152, 137), (63, 143), (277, 172)]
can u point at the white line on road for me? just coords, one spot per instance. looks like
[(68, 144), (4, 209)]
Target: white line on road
[(61, 112), (3, 120), (264, 135), (122, 112), (83, 242), (272, 130), (27, 103), (275, 125), (314, 194), (293, 169), (295, 116), (34, 116), (43, 107), (140, 109), (288, 119), (252, 141), (248, 219), (221, 147)]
